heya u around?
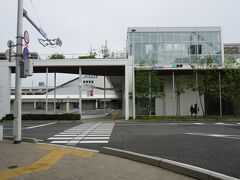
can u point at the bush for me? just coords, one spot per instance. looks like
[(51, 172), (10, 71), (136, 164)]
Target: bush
[(87, 57), (45, 117), (57, 56)]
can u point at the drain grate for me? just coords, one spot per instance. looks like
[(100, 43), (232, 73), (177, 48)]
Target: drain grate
[(12, 167)]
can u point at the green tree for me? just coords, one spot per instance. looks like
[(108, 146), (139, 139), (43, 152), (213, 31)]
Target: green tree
[(231, 84), (207, 81), (105, 51), (148, 86)]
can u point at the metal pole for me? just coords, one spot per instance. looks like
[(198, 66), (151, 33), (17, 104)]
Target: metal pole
[(196, 88), (55, 82), (17, 123), (173, 92), (80, 93), (46, 90), (220, 93)]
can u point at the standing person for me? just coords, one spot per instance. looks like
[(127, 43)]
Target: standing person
[(195, 110), (191, 110)]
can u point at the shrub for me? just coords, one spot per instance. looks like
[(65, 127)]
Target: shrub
[(45, 117), (87, 57), (57, 56)]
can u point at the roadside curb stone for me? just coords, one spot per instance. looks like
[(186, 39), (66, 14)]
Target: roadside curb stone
[(185, 169)]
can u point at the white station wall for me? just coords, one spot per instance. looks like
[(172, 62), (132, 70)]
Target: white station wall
[(5, 90)]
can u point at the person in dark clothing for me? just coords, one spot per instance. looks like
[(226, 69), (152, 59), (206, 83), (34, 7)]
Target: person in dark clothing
[(191, 110), (195, 110)]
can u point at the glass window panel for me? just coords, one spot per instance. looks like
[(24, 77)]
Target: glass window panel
[(161, 37), (193, 48), (145, 37), (185, 48), (201, 48), (153, 52), (153, 37), (177, 37), (186, 36), (201, 36), (218, 59), (216, 48), (130, 37), (216, 36), (169, 36), (161, 59), (137, 36), (169, 48), (169, 59), (178, 58), (177, 48), (147, 48), (138, 51), (209, 48), (209, 36), (193, 37), (186, 59), (194, 59), (161, 48)]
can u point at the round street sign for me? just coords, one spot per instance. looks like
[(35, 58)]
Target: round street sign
[(10, 44), (25, 52), (26, 37)]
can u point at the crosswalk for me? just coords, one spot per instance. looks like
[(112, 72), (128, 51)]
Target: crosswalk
[(88, 133)]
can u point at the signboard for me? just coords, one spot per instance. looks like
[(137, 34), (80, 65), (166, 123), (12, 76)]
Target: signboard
[(25, 52), (26, 37)]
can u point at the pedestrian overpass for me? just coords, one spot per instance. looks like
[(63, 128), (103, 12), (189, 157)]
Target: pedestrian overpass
[(101, 67)]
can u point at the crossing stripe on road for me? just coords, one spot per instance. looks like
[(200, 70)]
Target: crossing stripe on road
[(88, 133)]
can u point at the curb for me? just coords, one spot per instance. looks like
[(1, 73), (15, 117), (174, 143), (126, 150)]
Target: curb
[(181, 168), (24, 139)]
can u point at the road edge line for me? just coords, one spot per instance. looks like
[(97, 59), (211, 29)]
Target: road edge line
[(181, 168), (24, 139)]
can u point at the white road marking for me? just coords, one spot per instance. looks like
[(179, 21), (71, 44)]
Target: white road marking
[(58, 142), (92, 142), (215, 135), (89, 133), (96, 138), (199, 123), (61, 138), (41, 125)]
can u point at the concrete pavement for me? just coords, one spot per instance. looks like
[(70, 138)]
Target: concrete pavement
[(41, 161)]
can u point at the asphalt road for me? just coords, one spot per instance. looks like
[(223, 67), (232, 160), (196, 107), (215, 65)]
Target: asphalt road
[(213, 146)]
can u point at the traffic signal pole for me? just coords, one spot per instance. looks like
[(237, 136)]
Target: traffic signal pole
[(17, 123)]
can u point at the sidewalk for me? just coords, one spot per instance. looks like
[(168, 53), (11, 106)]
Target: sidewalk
[(46, 162)]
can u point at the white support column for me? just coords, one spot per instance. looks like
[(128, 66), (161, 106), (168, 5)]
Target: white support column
[(46, 90), (173, 92), (55, 92), (35, 104), (220, 93), (126, 94), (104, 93), (80, 92), (133, 89)]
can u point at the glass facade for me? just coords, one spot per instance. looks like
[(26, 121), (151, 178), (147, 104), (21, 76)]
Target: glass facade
[(164, 48)]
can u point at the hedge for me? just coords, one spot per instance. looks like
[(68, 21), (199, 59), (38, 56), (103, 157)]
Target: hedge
[(45, 117), (87, 57)]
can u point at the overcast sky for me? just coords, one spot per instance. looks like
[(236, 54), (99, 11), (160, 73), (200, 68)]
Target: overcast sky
[(84, 23)]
